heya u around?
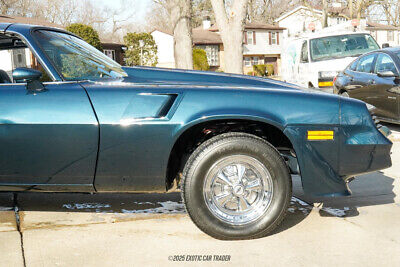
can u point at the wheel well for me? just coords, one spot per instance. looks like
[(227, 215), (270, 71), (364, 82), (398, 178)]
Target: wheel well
[(196, 135), (341, 91)]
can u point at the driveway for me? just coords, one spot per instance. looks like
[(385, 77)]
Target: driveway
[(122, 229)]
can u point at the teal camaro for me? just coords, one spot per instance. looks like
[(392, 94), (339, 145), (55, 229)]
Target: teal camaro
[(73, 120)]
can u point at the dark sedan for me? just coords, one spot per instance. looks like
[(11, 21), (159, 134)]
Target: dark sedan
[(374, 79)]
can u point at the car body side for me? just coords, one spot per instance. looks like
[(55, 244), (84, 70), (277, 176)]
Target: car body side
[(134, 124)]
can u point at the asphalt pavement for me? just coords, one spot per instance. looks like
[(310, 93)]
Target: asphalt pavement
[(153, 229)]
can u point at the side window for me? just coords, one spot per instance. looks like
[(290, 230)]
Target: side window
[(353, 66), (365, 63), (304, 53), (15, 54), (385, 63)]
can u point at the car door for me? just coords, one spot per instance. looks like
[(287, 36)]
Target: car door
[(48, 138), (384, 92), (135, 134), (345, 80), (362, 78)]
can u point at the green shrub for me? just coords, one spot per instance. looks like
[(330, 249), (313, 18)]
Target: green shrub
[(200, 61), (270, 69), (87, 33), (260, 70), (134, 52)]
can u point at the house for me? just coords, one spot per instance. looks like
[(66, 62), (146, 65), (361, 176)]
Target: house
[(305, 19), (384, 33), (202, 38), (165, 48), (262, 45), (115, 51), (210, 42), (302, 19)]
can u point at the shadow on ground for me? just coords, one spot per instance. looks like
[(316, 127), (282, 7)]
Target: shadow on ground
[(368, 190)]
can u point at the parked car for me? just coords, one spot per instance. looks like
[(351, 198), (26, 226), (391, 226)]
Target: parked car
[(374, 79), (230, 141), (313, 61)]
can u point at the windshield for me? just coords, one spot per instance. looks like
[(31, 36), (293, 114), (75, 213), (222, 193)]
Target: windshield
[(340, 46), (75, 59)]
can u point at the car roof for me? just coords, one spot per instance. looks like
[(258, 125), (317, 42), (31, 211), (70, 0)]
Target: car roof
[(395, 49), (388, 50), (18, 27)]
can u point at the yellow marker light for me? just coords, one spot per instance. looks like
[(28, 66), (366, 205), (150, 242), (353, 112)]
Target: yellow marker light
[(320, 135), (325, 84)]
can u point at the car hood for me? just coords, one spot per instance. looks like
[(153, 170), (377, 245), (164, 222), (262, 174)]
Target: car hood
[(333, 64)]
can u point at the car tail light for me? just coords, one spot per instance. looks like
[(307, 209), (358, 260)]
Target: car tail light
[(334, 79)]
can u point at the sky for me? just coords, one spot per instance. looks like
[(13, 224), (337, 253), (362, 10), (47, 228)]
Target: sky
[(139, 8)]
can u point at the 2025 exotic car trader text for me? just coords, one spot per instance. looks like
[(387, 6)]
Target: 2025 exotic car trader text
[(231, 141)]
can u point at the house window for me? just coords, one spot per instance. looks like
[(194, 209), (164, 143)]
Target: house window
[(247, 61), (212, 52), (390, 36), (274, 38), (251, 61), (250, 40), (19, 58), (110, 53)]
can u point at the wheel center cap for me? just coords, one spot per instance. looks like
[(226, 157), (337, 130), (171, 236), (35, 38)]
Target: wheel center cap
[(238, 190)]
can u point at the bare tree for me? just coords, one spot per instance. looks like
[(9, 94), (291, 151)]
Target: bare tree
[(388, 11), (230, 19), (325, 10), (16, 7), (180, 21), (200, 10), (268, 10)]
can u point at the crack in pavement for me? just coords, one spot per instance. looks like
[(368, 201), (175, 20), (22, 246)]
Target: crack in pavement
[(17, 219)]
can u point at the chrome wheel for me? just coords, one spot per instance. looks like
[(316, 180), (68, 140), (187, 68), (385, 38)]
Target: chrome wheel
[(238, 189)]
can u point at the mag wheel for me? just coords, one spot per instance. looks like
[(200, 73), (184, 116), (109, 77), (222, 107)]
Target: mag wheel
[(238, 189), (236, 186)]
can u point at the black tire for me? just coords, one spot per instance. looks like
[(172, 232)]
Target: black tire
[(216, 149), (345, 94)]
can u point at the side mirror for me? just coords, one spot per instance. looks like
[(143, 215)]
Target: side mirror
[(386, 74), (30, 76), (385, 45)]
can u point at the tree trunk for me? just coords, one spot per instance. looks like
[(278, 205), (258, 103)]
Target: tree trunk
[(231, 27), (351, 9), (233, 49), (324, 13), (181, 18), (359, 9)]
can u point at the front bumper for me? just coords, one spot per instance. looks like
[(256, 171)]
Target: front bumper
[(365, 146)]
